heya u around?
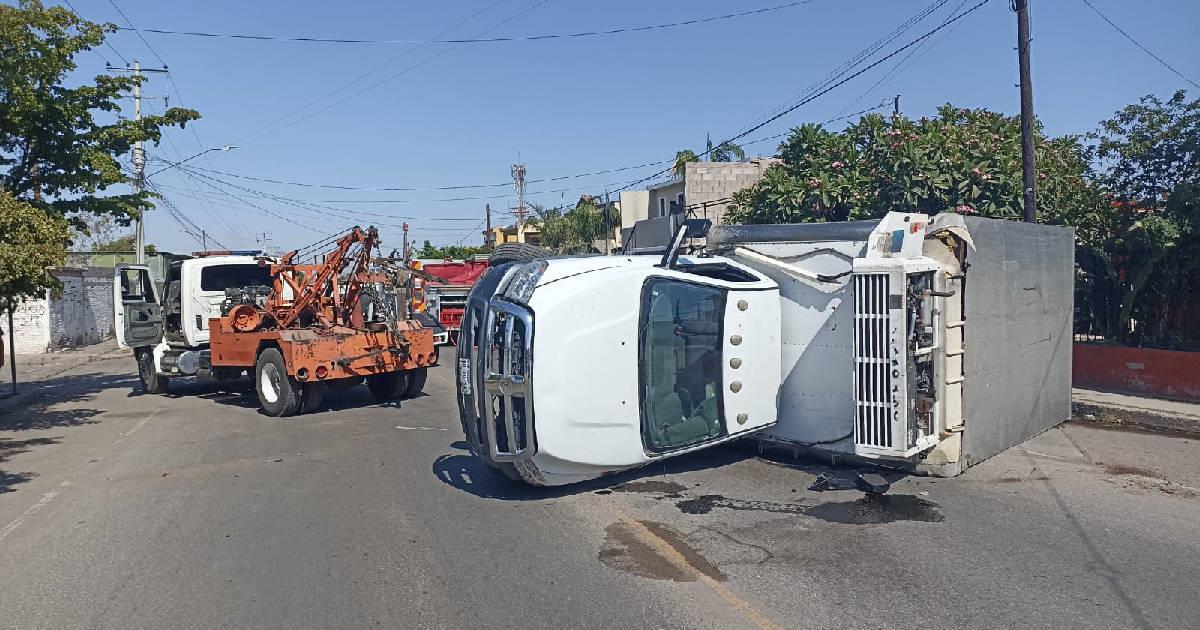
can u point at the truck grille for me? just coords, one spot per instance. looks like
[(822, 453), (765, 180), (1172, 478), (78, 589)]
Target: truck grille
[(502, 370), (872, 372)]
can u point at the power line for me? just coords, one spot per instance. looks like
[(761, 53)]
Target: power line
[(264, 133), (484, 40), (106, 42), (1136, 43), (139, 34), (797, 105)]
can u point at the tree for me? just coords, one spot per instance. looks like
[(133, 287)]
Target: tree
[(576, 230), (963, 160), (31, 241), (55, 153), (1141, 251), (724, 152), (455, 252), (120, 244)]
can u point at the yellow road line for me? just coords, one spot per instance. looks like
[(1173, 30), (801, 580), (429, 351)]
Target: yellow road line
[(673, 556)]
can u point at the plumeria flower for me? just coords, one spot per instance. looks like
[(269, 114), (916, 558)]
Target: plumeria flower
[(965, 209)]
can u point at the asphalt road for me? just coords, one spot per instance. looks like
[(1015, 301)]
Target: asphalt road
[(193, 510)]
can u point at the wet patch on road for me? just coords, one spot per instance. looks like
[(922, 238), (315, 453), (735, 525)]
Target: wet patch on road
[(706, 503), (878, 509), (651, 486), (627, 549)]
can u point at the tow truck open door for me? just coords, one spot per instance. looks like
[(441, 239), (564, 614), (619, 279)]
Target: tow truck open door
[(136, 310)]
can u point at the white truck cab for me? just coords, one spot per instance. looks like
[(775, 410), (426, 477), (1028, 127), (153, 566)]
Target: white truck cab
[(168, 332), (572, 368)]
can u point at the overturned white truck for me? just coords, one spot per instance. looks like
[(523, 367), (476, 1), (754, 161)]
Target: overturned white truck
[(929, 343)]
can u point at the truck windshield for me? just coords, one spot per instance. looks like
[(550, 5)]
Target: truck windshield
[(680, 363), (221, 277)]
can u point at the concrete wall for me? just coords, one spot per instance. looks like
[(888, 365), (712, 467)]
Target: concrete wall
[(635, 206), (708, 182), (79, 315), (668, 193)]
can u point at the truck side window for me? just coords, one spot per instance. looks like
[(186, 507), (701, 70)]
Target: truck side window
[(136, 287), (680, 363)]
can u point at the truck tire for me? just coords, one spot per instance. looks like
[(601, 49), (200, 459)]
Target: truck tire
[(279, 395), (517, 252), (416, 382), (388, 386), (151, 381), (311, 396)]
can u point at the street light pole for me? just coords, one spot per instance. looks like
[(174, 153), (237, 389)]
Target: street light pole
[(228, 147)]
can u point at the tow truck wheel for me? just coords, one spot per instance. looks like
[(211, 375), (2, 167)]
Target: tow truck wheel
[(152, 382), (416, 382), (311, 396), (278, 394), (388, 386)]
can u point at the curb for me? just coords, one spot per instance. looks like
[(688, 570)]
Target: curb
[(1118, 415)]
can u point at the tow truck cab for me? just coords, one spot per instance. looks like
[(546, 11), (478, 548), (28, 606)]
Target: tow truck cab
[(571, 368), (168, 331)]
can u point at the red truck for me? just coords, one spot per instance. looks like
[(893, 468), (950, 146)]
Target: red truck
[(444, 289)]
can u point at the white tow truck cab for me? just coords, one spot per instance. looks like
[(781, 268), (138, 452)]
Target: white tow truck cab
[(169, 332), (845, 337)]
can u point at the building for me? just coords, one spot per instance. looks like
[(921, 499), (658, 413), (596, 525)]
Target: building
[(79, 314), (516, 233), (703, 192)]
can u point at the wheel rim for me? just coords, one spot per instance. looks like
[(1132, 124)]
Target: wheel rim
[(269, 382)]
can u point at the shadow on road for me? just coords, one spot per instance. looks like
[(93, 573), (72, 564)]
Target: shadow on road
[(240, 393), (466, 472)]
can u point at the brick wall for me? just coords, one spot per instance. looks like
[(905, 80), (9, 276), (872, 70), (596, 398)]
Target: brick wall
[(708, 182)]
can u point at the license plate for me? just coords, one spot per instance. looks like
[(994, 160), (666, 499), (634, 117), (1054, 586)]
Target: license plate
[(464, 376)]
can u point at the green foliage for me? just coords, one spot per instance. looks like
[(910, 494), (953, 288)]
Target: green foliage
[(724, 152), (54, 152), (576, 230), (121, 244), (455, 252), (30, 242), (1140, 254), (964, 160)]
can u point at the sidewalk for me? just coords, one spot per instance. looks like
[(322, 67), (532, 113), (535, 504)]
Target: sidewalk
[(1124, 409), (34, 368)]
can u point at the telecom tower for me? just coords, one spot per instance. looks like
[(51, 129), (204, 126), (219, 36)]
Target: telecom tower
[(518, 174)]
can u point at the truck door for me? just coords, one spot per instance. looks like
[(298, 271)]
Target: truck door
[(136, 310), (709, 362)]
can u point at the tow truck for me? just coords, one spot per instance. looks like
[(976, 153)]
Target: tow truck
[(295, 328)]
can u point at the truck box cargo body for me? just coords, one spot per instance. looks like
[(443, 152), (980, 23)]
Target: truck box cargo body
[(925, 343)]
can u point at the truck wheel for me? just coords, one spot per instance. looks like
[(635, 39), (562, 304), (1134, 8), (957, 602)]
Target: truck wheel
[(152, 382), (388, 386), (278, 394), (416, 382), (311, 396), (517, 252)]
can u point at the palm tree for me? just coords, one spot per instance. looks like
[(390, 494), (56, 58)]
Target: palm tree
[(574, 231), (724, 152)]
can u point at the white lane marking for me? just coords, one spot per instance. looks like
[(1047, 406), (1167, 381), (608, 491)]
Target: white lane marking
[(33, 509), (134, 429), (404, 428)]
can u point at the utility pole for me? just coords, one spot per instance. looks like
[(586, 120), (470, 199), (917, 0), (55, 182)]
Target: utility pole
[(1028, 167), (518, 173), (203, 240), (487, 236), (896, 107), (139, 166)]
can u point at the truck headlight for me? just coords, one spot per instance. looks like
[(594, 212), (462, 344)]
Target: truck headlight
[(520, 288)]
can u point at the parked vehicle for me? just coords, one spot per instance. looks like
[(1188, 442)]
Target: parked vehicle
[(444, 289), (294, 328), (845, 337)]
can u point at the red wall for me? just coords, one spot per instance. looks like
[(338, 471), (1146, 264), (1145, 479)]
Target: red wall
[(1158, 373)]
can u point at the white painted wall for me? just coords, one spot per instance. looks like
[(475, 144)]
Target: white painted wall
[(81, 314)]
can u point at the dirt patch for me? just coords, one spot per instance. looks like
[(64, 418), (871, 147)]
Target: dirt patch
[(708, 502), (1121, 469), (1020, 479), (626, 549), (874, 510), (651, 486)]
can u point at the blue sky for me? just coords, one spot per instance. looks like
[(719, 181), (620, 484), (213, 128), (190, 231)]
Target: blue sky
[(570, 106)]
